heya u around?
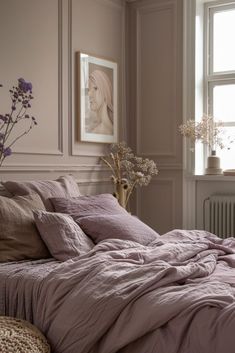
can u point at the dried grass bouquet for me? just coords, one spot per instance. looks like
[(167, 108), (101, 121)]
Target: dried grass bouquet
[(128, 171)]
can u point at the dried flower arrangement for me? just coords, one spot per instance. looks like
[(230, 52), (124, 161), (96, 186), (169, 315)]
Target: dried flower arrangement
[(128, 171), (21, 96), (206, 131)]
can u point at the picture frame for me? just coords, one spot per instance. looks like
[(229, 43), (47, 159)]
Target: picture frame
[(97, 99)]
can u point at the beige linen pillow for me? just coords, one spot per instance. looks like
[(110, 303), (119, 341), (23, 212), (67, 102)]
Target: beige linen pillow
[(63, 237), (64, 186), (4, 192), (19, 238)]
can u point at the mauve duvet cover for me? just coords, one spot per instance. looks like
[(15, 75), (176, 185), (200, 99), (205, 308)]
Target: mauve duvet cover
[(175, 296)]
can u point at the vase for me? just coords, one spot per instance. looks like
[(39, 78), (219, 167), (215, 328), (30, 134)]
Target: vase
[(213, 164), (121, 193)]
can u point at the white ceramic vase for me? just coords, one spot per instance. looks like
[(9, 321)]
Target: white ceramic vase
[(213, 164)]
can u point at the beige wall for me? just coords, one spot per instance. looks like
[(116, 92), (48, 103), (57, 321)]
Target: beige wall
[(154, 96), (39, 40)]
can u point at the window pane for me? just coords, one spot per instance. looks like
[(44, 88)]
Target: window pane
[(224, 103), (223, 41), (227, 160)]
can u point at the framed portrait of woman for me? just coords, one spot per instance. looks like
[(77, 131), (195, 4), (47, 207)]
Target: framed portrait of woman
[(97, 82)]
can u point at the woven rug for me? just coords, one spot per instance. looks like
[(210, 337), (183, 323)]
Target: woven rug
[(19, 336)]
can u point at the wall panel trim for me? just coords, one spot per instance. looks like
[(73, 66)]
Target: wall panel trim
[(143, 9), (59, 150), (157, 180), (118, 5), (54, 168)]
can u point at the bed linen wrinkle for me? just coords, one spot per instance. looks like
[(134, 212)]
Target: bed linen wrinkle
[(123, 297), (121, 294), (18, 281)]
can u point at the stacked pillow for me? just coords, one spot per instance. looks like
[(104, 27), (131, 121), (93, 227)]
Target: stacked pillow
[(29, 231), (101, 217), (64, 186), (63, 237), (19, 238)]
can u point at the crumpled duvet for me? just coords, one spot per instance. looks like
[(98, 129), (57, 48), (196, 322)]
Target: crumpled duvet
[(176, 295)]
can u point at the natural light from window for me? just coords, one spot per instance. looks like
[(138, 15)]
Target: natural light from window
[(224, 103), (224, 110), (223, 41), (227, 156)]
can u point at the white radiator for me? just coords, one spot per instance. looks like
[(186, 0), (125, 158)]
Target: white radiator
[(219, 215)]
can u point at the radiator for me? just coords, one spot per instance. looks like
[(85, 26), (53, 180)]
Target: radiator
[(219, 215)]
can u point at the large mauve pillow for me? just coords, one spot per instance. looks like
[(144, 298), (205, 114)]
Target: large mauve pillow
[(19, 237), (117, 226), (64, 186), (84, 206), (101, 217), (63, 237)]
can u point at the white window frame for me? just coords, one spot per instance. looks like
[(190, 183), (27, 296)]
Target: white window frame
[(214, 78), (193, 97)]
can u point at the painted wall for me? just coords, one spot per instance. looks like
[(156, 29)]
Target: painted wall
[(154, 95), (39, 41)]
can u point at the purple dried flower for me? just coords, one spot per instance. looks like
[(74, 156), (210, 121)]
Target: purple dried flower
[(4, 118), (24, 86), (7, 151), (20, 98)]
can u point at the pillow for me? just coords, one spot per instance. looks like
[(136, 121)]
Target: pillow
[(19, 238), (4, 192), (118, 226), (101, 217), (64, 186), (63, 237), (84, 206)]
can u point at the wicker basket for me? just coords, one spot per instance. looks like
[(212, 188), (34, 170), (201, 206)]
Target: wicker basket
[(19, 336)]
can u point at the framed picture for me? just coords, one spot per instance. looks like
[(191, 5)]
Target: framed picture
[(97, 99)]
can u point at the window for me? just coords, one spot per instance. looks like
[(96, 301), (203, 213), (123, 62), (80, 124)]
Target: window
[(215, 55), (220, 71)]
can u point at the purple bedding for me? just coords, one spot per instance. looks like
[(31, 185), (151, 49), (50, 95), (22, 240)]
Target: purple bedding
[(176, 295)]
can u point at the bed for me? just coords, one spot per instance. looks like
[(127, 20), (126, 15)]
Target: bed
[(173, 294)]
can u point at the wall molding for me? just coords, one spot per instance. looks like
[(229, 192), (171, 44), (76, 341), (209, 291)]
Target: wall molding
[(60, 76), (141, 10), (70, 82), (94, 182), (154, 181), (175, 166), (120, 6), (54, 168), (59, 150), (189, 186)]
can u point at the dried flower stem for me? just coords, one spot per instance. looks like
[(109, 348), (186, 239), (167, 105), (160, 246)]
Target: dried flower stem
[(20, 98)]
